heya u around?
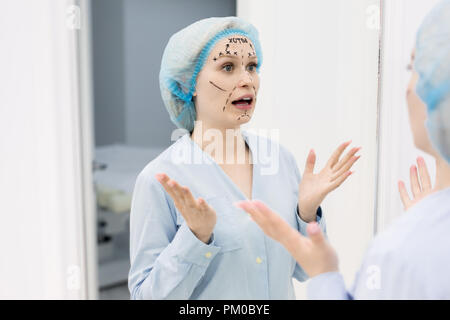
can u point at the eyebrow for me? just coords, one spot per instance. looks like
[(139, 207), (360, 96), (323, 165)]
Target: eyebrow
[(233, 56)]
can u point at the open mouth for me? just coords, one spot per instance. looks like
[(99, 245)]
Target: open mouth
[(245, 103)]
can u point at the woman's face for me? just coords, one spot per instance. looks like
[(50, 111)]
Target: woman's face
[(417, 113), (228, 74)]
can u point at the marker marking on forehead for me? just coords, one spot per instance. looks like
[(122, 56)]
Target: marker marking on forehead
[(226, 49), (221, 55), (236, 40)]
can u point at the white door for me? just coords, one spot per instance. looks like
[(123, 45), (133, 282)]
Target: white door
[(46, 230)]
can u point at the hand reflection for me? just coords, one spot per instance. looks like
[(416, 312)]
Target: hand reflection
[(420, 187)]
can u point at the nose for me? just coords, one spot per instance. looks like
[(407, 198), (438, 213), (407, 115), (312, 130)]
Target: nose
[(245, 79)]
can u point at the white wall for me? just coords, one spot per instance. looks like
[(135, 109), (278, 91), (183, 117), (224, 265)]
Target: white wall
[(401, 20), (42, 238), (319, 83)]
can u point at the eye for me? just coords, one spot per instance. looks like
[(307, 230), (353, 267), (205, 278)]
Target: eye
[(227, 65), (254, 65)]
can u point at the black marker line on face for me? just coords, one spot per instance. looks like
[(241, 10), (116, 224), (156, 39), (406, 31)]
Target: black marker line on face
[(254, 89), (217, 86), (223, 109), (245, 114)]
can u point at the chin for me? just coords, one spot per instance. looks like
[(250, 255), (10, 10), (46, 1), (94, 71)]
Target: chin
[(243, 119)]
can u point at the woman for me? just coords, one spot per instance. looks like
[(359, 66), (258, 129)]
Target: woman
[(187, 239), (410, 260)]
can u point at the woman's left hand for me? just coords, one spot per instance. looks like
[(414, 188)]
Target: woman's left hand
[(314, 188)]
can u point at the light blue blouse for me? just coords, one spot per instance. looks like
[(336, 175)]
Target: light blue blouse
[(240, 261), (410, 260)]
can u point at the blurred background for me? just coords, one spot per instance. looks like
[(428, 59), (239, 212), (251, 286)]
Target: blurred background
[(81, 115)]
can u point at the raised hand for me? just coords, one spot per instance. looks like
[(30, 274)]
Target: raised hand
[(199, 216), (314, 254), (420, 187), (314, 188)]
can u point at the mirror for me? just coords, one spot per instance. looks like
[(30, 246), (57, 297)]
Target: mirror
[(319, 87)]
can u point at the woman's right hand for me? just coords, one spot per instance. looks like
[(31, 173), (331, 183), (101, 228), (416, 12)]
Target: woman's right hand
[(199, 216)]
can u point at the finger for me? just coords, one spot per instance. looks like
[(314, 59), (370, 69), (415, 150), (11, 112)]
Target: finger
[(415, 186), (269, 214), (203, 205), (164, 180), (347, 157), (310, 162), (424, 175), (344, 169), (188, 197), (251, 210), (161, 177), (176, 189), (291, 238), (315, 233), (336, 183), (337, 153), (403, 194)]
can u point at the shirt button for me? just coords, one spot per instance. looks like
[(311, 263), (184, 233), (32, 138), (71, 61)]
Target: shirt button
[(208, 254), (258, 260)]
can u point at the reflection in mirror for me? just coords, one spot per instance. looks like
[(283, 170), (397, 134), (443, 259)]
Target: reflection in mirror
[(318, 88), (131, 125)]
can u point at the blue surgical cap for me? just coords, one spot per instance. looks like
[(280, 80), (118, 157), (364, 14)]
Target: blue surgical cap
[(432, 63), (184, 56)]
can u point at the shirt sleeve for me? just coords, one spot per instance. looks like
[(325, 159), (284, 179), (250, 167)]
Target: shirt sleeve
[(166, 262), (327, 286)]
